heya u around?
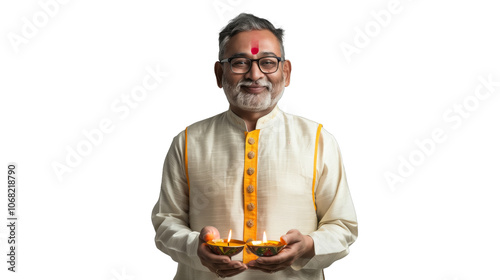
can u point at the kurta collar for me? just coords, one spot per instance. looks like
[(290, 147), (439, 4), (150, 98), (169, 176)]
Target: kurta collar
[(263, 122)]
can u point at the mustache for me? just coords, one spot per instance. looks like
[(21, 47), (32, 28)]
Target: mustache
[(247, 83)]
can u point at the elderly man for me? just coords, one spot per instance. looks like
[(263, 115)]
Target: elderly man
[(254, 169)]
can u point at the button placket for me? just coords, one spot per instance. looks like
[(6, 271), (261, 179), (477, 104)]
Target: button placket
[(250, 189)]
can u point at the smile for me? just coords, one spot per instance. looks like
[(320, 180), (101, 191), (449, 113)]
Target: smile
[(254, 89)]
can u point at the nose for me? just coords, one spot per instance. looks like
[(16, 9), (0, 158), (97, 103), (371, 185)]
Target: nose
[(254, 74)]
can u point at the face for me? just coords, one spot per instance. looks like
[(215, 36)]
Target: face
[(253, 91)]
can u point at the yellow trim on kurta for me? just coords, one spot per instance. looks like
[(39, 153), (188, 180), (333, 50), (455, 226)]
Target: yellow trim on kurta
[(315, 159), (249, 178), (186, 159)]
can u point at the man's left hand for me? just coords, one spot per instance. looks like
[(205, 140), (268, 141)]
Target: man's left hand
[(298, 246)]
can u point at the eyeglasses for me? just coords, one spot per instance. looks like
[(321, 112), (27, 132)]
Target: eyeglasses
[(242, 65)]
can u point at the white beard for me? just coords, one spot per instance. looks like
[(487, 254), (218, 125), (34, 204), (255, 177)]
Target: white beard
[(249, 101)]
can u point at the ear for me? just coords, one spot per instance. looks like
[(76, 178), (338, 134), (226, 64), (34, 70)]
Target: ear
[(287, 71), (218, 73)]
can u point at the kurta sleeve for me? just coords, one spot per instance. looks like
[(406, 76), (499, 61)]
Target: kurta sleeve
[(337, 222), (170, 215)]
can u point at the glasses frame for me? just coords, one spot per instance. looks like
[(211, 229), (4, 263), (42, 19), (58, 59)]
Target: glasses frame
[(228, 60)]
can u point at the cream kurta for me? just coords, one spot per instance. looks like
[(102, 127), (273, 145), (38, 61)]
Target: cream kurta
[(286, 174)]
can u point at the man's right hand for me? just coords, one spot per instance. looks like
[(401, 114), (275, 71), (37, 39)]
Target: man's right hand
[(223, 266)]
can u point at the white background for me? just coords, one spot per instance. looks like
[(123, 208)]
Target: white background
[(94, 223)]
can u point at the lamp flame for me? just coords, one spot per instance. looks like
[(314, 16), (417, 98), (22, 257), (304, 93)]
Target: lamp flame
[(229, 236), (264, 237)]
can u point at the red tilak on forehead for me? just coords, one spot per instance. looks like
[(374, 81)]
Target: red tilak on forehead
[(255, 47)]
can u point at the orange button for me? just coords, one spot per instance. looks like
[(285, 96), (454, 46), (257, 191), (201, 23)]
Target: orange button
[(250, 206), (251, 154), (250, 223), (250, 189)]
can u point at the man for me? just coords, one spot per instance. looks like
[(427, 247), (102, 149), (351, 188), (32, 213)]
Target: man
[(252, 169)]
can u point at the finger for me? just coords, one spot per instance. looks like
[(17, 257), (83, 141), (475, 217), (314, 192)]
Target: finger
[(292, 236), (219, 261), (230, 272), (269, 267), (208, 256), (225, 264), (284, 257), (206, 251), (216, 260), (209, 233)]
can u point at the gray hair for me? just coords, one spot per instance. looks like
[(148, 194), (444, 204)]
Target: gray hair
[(247, 22)]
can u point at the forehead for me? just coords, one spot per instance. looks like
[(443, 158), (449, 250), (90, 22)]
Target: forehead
[(245, 41)]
